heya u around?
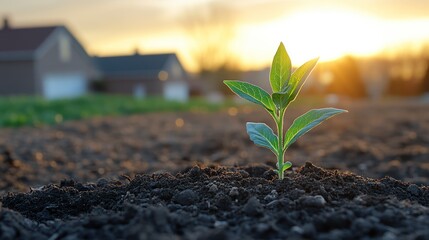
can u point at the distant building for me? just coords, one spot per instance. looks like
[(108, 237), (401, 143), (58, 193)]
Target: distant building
[(145, 75), (45, 61), (258, 77)]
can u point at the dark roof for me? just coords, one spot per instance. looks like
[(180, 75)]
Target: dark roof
[(133, 64), (23, 39)]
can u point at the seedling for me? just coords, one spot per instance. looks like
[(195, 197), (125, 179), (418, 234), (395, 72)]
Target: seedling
[(285, 86)]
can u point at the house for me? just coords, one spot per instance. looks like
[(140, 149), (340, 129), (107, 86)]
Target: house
[(145, 75), (258, 77), (45, 61)]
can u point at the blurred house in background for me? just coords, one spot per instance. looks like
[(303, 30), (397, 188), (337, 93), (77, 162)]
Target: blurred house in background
[(46, 61), (144, 75), (258, 77)]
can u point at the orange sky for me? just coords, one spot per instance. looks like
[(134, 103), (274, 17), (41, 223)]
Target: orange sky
[(309, 28)]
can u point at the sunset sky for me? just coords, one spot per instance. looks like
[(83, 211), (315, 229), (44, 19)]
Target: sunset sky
[(328, 28)]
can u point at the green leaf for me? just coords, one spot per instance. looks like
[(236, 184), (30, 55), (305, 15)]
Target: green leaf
[(281, 99), (285, 166), (262, 135), (306, 122), (280, 70), (300, 75), (251, 93)]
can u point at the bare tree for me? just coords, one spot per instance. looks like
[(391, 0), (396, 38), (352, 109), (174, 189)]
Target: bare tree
[(211, 29), (347, 79), (410, 68), (425, 79)]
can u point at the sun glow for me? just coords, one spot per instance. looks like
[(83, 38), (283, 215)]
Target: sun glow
[(332, 34), (327, 33)]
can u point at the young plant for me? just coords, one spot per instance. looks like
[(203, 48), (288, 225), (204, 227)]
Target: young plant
[(286, 86)]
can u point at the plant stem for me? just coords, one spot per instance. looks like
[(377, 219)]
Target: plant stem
[(280, 156)]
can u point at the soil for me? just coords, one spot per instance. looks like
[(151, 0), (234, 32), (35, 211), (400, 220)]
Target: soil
[(222, 203), (136, 178)]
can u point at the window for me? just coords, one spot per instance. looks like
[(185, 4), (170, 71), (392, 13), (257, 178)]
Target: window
[(177, 71), (64, 48), (139, 91)]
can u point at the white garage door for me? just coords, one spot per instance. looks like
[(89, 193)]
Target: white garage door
[(177, 91), (139, 91), (64, 86)]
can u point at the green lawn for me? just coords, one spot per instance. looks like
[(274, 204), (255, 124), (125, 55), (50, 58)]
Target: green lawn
[(33, 111)]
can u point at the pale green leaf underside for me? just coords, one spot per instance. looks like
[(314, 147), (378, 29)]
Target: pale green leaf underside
[(280, 69), (298, 76), (262, 135), (306, 122), (251, 93)]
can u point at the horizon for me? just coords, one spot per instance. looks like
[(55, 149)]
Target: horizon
[(307, 28)]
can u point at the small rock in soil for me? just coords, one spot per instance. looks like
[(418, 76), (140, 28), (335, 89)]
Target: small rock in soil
[(278, 203), (223, 201), (213, 188), (414, 189), (297, 230), (186, 197), (313, 201), (271, 196), (253, 207), (220, 224), (233, 192)]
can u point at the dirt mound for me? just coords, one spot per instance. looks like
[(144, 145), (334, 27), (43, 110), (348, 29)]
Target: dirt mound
[(221, 203)]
